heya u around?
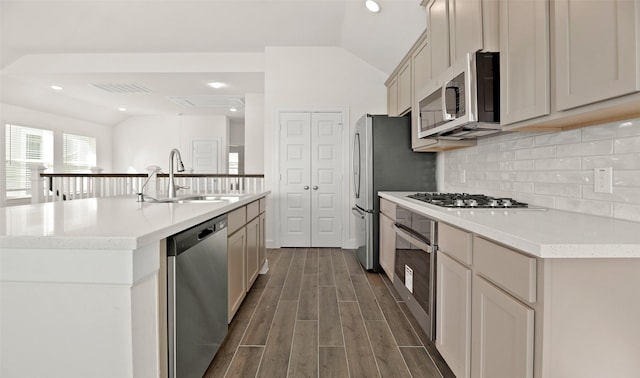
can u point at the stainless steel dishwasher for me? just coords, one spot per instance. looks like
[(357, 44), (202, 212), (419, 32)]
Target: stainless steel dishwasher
[(196, 296)]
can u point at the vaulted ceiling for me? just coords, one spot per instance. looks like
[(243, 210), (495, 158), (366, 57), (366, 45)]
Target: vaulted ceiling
[(34, 35)]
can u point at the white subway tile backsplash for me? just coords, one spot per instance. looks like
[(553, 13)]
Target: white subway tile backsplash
[(627, 145), (554, 169), (600, 147), (562, 137), (558, 190), (569, 163), (627, 178)]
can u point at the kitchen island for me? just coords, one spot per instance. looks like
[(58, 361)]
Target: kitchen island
[(534, 292), (80, 289)]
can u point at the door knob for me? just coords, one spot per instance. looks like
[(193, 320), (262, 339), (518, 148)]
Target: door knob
[(315, 187), (306, 187)]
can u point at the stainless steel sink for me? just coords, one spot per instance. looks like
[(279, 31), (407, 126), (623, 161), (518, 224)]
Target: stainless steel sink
[(198, 199)]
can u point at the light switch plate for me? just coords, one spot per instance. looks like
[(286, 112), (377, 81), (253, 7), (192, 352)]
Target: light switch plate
[(603, 180), (408, 278)]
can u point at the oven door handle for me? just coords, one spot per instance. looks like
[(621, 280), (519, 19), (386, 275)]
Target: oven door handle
[(408, 237)]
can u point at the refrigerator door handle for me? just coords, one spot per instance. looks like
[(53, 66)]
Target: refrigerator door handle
[(357, 212), (356, 165)]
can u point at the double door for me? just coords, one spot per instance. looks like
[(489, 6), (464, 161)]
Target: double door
[(311, 179)]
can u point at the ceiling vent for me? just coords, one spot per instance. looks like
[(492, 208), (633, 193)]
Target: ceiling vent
[(122, 87), (208, 101)]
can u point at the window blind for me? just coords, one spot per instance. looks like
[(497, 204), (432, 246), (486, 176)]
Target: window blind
[(25, 146), (79, 153)]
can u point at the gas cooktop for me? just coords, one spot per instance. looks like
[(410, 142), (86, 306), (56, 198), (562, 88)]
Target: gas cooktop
[(468, 201)]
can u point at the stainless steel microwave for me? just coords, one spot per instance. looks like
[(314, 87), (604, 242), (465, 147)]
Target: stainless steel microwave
[(464, 101)]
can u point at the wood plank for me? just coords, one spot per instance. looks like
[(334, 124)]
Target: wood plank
[(291, 289), (332, 362), (329, 317), (311, 265), (343, 279), (419, 363), (279, 274), (308, 307), (399, 324), (258, 329), (325, 268), (386, 350), (428, 344), (225, 354), (352, 262), (304, 352), (245, 362), (393, 291), (275, 360), (368, 304), (360, 358)]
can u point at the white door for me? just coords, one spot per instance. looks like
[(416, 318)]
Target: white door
[(204, 155), (326, 180), (310, 179)]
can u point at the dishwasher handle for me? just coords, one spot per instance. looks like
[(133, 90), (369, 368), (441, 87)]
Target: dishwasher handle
[(204, 233)]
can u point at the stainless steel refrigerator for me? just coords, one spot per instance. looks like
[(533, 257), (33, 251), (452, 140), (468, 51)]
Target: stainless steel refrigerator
[(383, 161)]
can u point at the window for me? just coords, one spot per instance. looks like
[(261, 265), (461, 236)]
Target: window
[(79, 153), (25, 146)]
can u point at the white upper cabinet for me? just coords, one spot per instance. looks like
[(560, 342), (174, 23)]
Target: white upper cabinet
[(524, 60), (405, 88), (595, 55), (392, 97), (473, 26), (438, 35)]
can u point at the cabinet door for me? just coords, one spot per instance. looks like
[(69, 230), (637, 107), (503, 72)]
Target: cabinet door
[(524, 60), (253, 251), (404, 88), (236, 245), (465, 25), (387, 245), (453, 319), (262, 251), (392, 98), (502, 336), (438, 35), (595, 50), (421, 65)]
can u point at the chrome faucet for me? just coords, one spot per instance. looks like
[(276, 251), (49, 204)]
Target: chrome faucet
[(172, 184)]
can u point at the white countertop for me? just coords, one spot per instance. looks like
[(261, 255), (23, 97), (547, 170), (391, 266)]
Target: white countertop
[(104, 223), (545, 233)]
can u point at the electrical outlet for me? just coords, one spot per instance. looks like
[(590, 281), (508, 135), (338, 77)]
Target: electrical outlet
[(408, 278), (603, 180)]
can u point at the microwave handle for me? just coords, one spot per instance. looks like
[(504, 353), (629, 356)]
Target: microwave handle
[(446, 115)]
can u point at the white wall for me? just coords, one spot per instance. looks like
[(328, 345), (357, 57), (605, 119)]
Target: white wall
[(315, 77), (58, 124), (553, 169), (236, 132), (143, 141), (254, 122)]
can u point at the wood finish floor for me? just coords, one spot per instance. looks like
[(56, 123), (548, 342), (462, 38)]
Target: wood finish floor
[(317, 313)]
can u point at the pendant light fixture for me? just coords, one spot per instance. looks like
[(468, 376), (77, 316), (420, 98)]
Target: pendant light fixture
[(372, 6)]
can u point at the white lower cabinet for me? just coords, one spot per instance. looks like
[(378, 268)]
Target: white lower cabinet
[(253, 251), (453, 308), (502, 337), (237, 289)]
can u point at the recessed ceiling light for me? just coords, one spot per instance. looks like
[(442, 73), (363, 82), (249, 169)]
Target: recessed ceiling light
[(372, 6), (56, 87), (122, 109), (217, 85), (233, 110)]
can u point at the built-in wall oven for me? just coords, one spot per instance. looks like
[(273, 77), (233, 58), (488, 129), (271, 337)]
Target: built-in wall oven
[(414, 271)]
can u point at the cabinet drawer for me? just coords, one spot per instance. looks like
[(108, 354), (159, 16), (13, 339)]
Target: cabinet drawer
[(263, 205), (509, 269), (236, 219), (388, 208), (455, 243), (253, 210)]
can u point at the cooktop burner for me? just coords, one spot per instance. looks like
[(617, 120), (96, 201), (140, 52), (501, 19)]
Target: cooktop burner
[(468, 201)]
